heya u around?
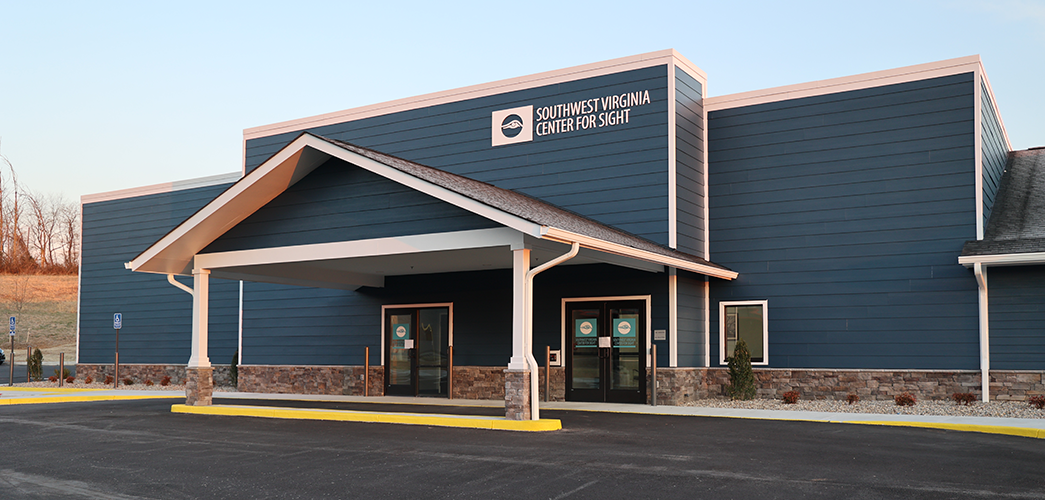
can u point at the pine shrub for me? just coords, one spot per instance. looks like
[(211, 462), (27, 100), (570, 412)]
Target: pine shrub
[(741, 376), (36, 363), (234, 369)]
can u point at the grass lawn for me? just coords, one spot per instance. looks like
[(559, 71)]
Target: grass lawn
[(46, 310)]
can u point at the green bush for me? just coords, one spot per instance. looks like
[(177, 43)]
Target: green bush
[(234, 369), (64, 374), (36, 365), (741, 376)]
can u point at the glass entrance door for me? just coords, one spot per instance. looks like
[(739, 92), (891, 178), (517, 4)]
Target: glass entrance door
[(606, 358), (416, 351)]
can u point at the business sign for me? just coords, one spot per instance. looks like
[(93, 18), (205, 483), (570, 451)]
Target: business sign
[(625, 333), (585, 332), (401, 336), (522, 124)]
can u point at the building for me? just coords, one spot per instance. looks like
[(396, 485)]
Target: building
[(594, 215)]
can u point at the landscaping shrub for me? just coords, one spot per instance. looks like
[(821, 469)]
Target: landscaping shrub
[(88, 380), (741, 376), (128, 381), (963, 398), (852, 399), (165, 381), (36, 362), (70, 379), (905, 399), (1037, 402), (64, 374), (234, 369), (108, 380), (791, 397), (148, 382), (53, 378)]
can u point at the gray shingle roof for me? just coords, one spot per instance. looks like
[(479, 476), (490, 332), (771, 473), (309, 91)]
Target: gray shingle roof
[(1017, 223), (520, 205)]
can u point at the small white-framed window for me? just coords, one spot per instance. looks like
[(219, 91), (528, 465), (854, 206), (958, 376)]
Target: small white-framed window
[(748, 320)]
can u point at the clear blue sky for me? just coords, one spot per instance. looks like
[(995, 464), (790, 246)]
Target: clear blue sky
[(98, 96)]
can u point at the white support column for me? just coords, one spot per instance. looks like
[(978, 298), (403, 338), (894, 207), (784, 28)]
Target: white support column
[(520, 266), (673, 318), (200, 315)]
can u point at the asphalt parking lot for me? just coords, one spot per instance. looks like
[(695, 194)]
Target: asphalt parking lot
[(138, 449)]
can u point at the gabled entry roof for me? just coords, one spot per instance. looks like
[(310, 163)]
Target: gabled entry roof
[(174, 253), (1015, 233)]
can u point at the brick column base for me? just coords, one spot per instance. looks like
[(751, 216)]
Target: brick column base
[(517, 394), (199, 386)]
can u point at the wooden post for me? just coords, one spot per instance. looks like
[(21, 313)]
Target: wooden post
[(653, 365), (547, 373), (366, 373), (450, 372)]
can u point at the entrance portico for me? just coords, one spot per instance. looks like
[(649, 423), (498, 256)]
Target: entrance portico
[(528, 236)]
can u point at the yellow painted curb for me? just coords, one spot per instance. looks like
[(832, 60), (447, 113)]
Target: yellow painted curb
[(78, 399), (463, 421), (986, 429), (48, 390)]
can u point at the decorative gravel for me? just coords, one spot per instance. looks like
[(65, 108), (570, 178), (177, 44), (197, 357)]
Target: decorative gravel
[(1008, 409)]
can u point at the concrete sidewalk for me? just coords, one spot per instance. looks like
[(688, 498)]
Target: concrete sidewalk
[(1026, 427)]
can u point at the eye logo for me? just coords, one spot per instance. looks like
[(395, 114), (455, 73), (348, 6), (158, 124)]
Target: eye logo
[(511, 126), (401, 331), (586, 328), (624, 327)]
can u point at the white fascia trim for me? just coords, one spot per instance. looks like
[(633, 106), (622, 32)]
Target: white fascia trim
[(968, 64), (994, 103), (977, 131), (270, 188), (626, 251), (459, 200), (1011, 259), (437, 242), (166, 187), (657, 58), (722, 329), (673, 216)]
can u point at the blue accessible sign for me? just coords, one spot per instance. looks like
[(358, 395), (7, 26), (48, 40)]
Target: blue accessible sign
[(12, 327), (117, 321)]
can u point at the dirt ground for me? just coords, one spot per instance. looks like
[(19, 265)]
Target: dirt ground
[(45, 308)]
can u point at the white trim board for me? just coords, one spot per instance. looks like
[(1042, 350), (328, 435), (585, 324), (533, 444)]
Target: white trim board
[(167, 187), (669, 56), (1010, 259), (722, 329), (968, 64)]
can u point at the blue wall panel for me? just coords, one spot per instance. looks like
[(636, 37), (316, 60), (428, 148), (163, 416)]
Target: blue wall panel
[(625, 163), (285, 325), (847, 213), (157, 318), (341, 202), (995, 152), (690, 319), (689, 163), (1017, 317)]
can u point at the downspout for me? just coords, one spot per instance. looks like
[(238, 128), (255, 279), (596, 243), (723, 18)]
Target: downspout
[(985, 344), (171, 280), (535, 413)]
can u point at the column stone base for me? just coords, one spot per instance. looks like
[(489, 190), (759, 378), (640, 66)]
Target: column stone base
[(199, 386), (517, 394)]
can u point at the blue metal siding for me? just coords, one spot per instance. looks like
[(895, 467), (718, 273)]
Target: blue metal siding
[(847, 213), (995, 152), (341, 202), (1017, 317), (157, 318), (690, 319), (689, 163), (286, 325), (616, 175)]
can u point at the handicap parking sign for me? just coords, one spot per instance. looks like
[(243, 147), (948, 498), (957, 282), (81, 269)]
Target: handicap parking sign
[(117, 321)]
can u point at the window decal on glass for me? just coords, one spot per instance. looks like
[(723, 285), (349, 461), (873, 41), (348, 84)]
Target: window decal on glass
[(586, 332), (624, 332), (400, 336)]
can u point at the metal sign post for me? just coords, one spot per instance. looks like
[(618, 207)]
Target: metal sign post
[(117, 323), (11, 381)]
